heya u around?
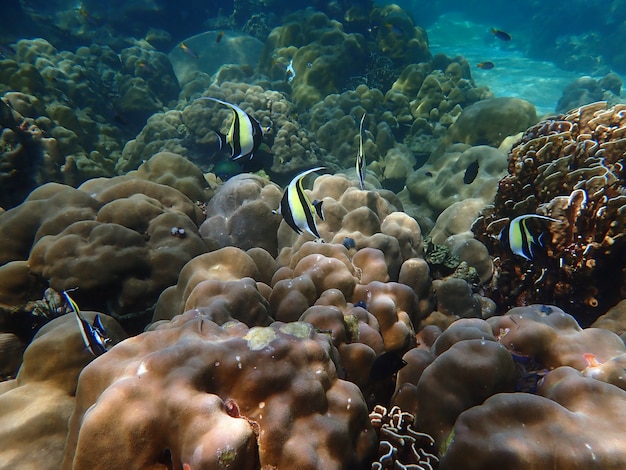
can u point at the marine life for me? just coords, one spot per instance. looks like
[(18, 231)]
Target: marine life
[(94, 335), (219, 37), (245, 134), (520, 238), (386, 365), (291, 73), (348, 242), (6, 50), (487, 65), (360, 157), (502, 35), (297, 209), (471, 172), (189, 51)]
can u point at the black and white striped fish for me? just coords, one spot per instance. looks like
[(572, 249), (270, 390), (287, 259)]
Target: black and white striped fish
[(360, 157), (94, 335), (519, 237), (245, 134), (297, 209)]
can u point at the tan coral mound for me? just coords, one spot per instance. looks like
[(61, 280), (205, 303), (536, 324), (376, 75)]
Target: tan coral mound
[(574, 423), (194, 393), (570, 167), (36, 406)]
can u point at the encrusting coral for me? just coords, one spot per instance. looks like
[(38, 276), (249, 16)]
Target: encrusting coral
[(244, 397), (572, 168)]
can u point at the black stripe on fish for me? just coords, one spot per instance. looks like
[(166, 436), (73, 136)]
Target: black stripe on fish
[(235, 145), (304, 201)]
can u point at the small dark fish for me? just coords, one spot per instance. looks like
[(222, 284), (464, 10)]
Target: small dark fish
[(94, 335), (502, 35), (349, 243), (297, 209), (395, 29), (471, 172), (86, 16), (362, 304), (188, 50), (519, 237), (428, 173), (360, 157), (219, 37), (245, 134), (226, 169), (6, 50), (485, 65), (386, 365)]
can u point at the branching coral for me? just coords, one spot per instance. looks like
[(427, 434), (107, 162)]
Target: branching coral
[(572, 168)]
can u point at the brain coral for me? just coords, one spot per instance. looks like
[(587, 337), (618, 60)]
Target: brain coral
[(570, 167), (191, 392)]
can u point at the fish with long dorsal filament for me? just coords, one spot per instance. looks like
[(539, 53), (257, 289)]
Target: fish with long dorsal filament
[(245, 134), (297, 209), (520, 238), (360, 157), (94, 335)]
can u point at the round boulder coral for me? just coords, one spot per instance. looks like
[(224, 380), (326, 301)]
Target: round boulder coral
[(243, 397)]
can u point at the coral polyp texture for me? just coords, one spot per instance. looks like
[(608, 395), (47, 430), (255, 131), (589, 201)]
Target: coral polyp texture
[(571, 168), (208, 396)]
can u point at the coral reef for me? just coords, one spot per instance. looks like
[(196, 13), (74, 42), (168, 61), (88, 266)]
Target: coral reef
[(586, 90), (35, 407), (240, 396), (570, 167), (120, 241), (92, 92), (447, 178), (322, 56)]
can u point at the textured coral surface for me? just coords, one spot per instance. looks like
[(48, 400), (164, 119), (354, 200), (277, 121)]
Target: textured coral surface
[(572, 168), (191, 392)]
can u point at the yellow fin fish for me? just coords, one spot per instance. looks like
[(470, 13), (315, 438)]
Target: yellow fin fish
[(245, 135), (297, 209), (520, 238)]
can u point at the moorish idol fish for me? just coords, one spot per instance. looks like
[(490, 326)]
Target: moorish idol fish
[(360, 157), (245, 134), (94, 335), (297, 209), (519, 237)]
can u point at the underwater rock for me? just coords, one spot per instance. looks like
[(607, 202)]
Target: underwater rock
[(586, 90)]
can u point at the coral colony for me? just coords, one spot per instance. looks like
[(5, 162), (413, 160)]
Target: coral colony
[(344, 255)]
